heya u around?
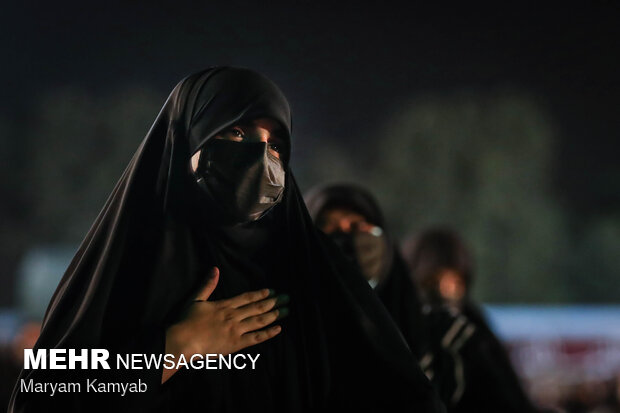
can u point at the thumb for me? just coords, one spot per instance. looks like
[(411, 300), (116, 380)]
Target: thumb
[(209, 287)]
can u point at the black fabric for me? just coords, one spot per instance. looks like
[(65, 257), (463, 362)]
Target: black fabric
[(431, 251), (395, 289), (397, 293), (10, 368), (350, 196), (483, 378), (151, 247), (438, 361), (491, 383), (471, 372)]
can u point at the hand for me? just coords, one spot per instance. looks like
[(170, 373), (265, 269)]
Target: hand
[(225, 326)]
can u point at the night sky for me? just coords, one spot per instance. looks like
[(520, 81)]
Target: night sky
[(342, 65)]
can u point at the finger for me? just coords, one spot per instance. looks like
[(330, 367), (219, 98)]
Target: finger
[(256, 308), (259, 321), (247, 298), (255, 337), (209, 287), (261, 307)]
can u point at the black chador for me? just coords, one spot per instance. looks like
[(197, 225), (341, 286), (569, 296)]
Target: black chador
[(157, 237)]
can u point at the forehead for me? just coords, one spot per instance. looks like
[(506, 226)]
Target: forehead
[(266, 123), (341, 212), (224, 97), (270, 125)]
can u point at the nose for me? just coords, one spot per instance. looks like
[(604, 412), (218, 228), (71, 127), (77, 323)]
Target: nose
[(262, 134), (344, 225)]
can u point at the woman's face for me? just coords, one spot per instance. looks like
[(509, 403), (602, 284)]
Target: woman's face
[(258, 130), (451, 285), (344, 220)]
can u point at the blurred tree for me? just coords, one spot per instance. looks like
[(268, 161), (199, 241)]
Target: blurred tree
[(14, 208), (79, 147), (595, 266), (482, 165)]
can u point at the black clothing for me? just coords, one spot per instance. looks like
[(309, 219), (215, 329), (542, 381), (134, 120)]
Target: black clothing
[(151, 247), (457, 350), (347, 196), (10, 368), (423, 330), (474, 371), (491, 383), (482, 378), (395, 288)]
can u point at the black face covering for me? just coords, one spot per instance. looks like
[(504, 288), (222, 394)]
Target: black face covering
[(242, 180)]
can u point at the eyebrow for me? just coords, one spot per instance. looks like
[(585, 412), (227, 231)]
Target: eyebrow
[(278, 136)]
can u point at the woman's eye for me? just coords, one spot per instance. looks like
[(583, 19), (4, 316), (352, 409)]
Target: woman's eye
[(237, 132), (275, 147)]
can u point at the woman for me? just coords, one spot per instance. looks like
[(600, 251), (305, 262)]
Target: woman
[(441, 266), (206, 217), (351, 217)]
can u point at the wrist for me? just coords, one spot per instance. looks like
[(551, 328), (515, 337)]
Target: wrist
[(174, 343)]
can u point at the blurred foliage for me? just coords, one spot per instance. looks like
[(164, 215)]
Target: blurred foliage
[(595, 263), (482, 164), (79, 147)]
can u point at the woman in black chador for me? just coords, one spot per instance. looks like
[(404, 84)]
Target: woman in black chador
[(484, 379), (205, 219), (351, 217)]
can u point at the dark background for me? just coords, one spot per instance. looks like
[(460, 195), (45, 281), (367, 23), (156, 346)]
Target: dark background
[(532, 90)]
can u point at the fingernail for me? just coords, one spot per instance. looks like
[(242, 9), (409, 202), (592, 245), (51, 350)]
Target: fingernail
[(282, 299), (282, 312), (271, 292)]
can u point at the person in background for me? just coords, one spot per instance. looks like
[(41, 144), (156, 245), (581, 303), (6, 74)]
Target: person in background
[(441, 266), (352, 219)]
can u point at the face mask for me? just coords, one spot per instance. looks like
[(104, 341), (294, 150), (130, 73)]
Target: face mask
[(369, 251), (242, 180)]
